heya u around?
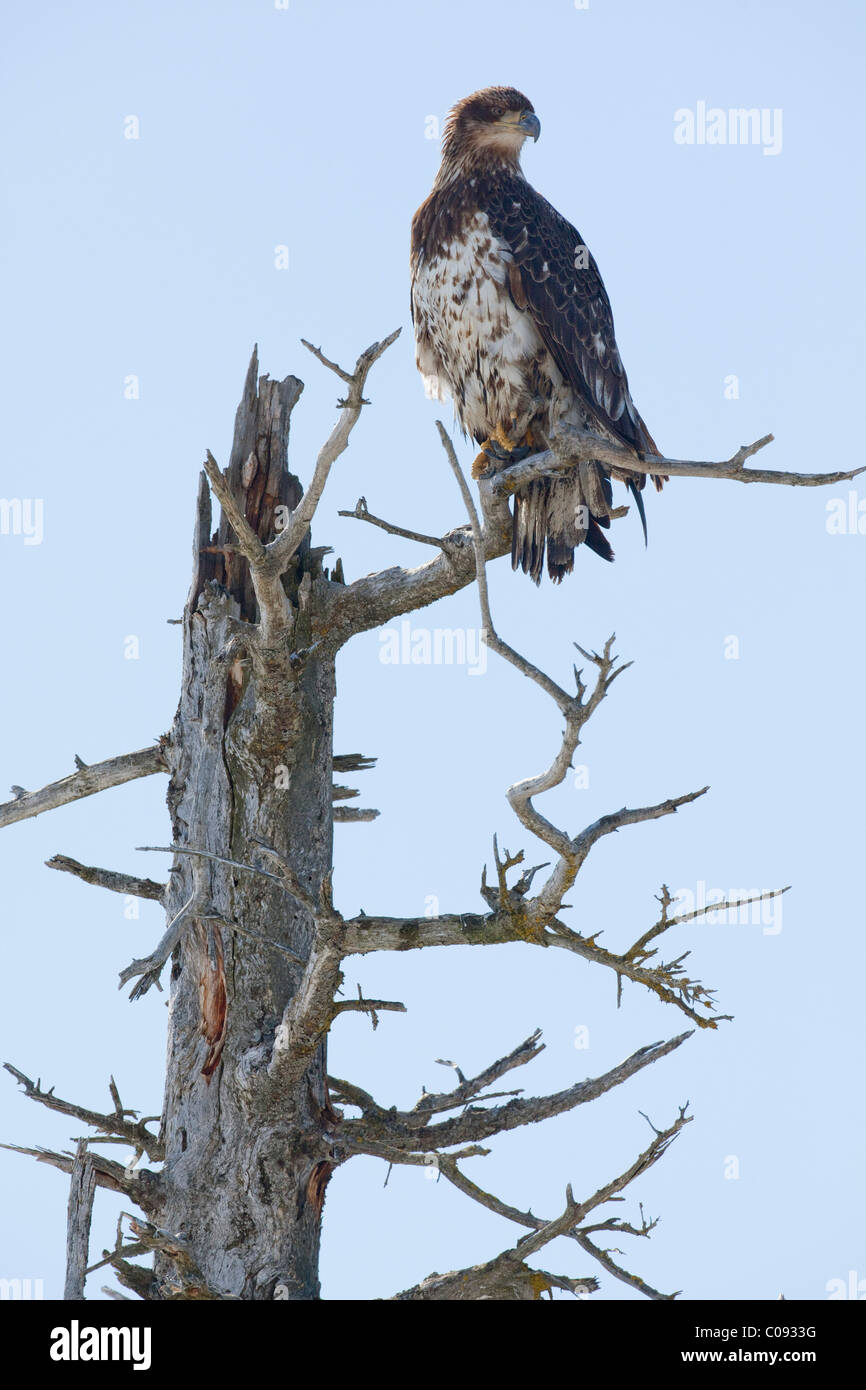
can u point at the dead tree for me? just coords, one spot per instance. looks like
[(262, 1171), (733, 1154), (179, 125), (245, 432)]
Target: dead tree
[(232, 1182)]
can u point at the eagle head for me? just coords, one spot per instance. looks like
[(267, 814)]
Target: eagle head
[(490, 124)]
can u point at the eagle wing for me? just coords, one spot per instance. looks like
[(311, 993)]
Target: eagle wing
[(557, 280)]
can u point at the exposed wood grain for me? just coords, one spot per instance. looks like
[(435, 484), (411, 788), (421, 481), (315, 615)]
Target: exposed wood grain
[(82, 1186)]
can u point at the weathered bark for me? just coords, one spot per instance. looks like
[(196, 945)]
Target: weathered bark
[(81, 1191), (84, 782), (251, 759)]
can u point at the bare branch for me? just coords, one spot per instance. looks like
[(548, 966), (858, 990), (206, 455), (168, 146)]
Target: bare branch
[(727, 904), (608, 1263), (364, 935), (432, 1103), (352, 762), (310, 1011), (574, 446), (500, 1280), (489, 634), (150, 968), (206, 854), (344, 815), (256, 936), (576, 1212), (638, 951), (573, 852), (373, 1007), (534, 919), (347, 1093), (605, 825), (85, 782), (281, 550), (131, 1131), (191, 1284), (400, 1130), (507, 1274), (108, 878), (286, 875), (334, 367), (377, 598), (577, 711), (573, 707), (361, 513), (142, 1186)]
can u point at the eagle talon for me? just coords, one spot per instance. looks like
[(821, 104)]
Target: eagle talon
[(482, 464), (502, 437), (495, 455)]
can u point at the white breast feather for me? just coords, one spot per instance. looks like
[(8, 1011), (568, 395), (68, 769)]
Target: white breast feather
[(469, 333)]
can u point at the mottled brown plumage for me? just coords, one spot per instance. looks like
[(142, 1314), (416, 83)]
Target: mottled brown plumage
[(512, 321)]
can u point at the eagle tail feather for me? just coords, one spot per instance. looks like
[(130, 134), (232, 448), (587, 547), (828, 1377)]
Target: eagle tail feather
[(560, 558), (544, 526), (598, 541), (635, 490), (529, 529)]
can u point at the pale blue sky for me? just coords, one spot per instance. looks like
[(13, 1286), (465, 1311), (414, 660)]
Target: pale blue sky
[(156, 258)]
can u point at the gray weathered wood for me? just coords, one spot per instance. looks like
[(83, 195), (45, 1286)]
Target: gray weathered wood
[(85, 782), (82, 1186), (251, 760), (128, 884)]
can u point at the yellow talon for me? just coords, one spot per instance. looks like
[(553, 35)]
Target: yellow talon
[(505, 441), (481, 464), (500, 436)]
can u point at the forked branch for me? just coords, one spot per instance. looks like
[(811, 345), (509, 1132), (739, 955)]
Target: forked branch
[(535, 918), (572, 447), (394, 1132), (141, 1185), (508, 1276), (268, 563), (121, 1122)]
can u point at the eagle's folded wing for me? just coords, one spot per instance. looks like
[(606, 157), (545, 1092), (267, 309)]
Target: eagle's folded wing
[(556, 279)]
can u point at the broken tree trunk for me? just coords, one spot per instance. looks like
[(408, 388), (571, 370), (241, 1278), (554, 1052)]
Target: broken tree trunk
[(250, 758)]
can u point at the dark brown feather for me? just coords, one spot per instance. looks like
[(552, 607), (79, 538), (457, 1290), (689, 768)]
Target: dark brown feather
[(568, 302)]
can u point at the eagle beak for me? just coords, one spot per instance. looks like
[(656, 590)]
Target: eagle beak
[(531, 124)]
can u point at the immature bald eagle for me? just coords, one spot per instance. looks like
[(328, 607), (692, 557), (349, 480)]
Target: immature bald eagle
[(512, 321)]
